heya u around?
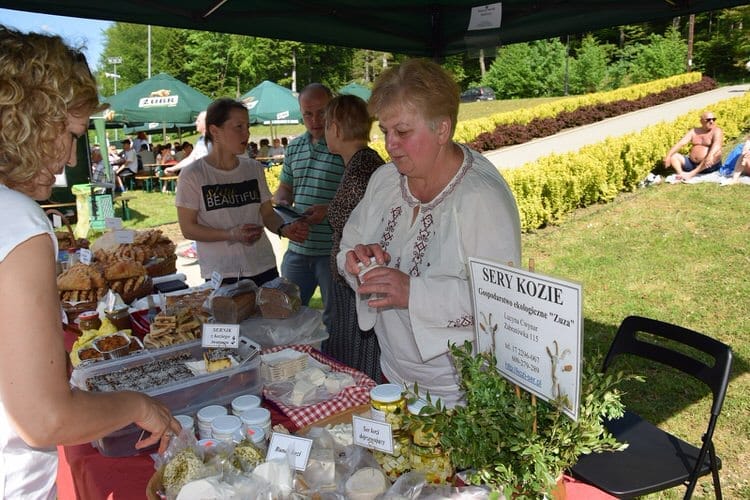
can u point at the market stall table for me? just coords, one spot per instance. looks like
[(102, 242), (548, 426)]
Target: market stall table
[(84, 473)]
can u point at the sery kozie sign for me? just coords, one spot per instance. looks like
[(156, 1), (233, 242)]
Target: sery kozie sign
[(533, 323)]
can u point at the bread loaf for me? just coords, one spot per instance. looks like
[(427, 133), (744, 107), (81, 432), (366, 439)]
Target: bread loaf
[(124, 269), (233, 309), (279, 299)]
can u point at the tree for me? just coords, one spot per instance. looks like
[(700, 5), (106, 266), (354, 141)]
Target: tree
[(588, 72), (664, 56), (533, 69)]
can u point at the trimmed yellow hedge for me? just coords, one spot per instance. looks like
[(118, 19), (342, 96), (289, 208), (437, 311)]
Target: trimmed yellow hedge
[(549, 188)]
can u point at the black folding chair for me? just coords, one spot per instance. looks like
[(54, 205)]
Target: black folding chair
[(656, 460)]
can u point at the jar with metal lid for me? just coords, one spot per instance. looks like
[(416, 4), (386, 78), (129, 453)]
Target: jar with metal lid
[(421, 425), (397, 463), (89, 320), (433, 461), (388, 405)]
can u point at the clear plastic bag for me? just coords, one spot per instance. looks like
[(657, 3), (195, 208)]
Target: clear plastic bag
[(279, 299)]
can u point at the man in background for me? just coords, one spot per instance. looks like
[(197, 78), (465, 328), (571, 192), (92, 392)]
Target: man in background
[(199, 150), (308, 180), (705, 150), (127, 164)]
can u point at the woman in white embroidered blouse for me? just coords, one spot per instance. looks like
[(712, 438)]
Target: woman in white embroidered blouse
[(46, 96), (422, 215)]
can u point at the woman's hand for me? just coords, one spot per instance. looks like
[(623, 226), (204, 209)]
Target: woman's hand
[(246, 233), (388, 287), (361, 255), (158, 420)]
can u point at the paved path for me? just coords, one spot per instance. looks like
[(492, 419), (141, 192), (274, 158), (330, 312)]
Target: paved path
[(574, 139), (563, 142)]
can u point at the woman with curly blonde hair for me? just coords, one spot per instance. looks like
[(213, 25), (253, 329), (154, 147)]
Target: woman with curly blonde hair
[(46, 96)]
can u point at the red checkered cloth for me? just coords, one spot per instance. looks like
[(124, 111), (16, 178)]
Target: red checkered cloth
[(349, 397)]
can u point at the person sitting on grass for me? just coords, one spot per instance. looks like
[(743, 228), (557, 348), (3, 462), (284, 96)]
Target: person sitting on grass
[(741, 156), (705, 151)]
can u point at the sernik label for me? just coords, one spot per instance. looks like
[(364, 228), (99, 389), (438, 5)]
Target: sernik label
[(124, 236), (372, 434), (534, 325), (218, 335)]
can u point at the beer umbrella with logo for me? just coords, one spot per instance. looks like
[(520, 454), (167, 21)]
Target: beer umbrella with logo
[(272, 104), (160, 99)]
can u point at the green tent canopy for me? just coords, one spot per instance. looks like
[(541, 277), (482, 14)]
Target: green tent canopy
[(356, 89), (160, 99), (271, 103)]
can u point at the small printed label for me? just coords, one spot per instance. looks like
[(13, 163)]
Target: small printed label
[(56, 220), (85, 256), (113, 223), (218, 335), (216, 279), (372, 434), (283, 444), (124, 236)]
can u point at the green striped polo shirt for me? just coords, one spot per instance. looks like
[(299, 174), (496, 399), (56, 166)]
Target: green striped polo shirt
[(314, 174)]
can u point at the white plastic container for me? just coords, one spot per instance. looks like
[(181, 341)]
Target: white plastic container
[(226, 428), (258, 436), (187, 422), (206, 416), (258, 417), (240, 404)]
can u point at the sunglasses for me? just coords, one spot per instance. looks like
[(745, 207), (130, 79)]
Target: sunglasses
[(710, 120)]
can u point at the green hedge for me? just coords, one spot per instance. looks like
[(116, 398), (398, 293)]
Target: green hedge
[(551, 187)]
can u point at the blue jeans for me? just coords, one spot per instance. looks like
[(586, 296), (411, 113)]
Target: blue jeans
[(308, 272)]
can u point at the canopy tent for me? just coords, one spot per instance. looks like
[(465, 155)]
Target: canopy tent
[(160, 99), (356, 89), (433, 28), (271, 103)]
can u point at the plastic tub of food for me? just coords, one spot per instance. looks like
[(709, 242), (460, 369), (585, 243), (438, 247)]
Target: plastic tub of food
[(306, 327), (182, 396), (113, 346)]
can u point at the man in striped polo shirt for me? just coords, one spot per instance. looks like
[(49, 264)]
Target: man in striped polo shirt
[(309, 179)]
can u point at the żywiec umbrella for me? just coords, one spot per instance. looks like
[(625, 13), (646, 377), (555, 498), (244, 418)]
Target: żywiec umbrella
[(356, 89), (271, 103), (160, 99)]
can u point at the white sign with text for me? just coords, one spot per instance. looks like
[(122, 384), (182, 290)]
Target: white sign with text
[(219, 335), (299, 447), (372, 434), (534, 325)]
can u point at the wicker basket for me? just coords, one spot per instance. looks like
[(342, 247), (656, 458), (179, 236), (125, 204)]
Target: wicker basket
[(162, 266), (274, 368)]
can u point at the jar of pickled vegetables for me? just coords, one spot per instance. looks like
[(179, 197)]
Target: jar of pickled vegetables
[(396, 464), (422, 432), (433, 461), (388, 405)]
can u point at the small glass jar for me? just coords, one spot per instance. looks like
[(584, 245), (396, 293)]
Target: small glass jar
[(259, 417), (186, 422), (119, 317), (89, 320), (241, 404), (388, 405), (433, 461), (398, 463), (227, 428), (257, 436), (422, 433), (206, 415)]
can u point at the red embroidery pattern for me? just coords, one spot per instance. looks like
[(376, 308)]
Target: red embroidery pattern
[(463, 321), (390, 227), (420, 244)]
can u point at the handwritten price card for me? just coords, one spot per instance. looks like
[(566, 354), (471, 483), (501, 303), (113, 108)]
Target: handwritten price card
[(534, 325)]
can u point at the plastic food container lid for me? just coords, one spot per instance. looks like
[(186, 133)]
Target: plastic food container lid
[(256, 434), (225, 424), (246, 402), (88, 315), (207, 443), (255, 416), (186, 421), (210, 412), (415, 407), (386, 393)]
